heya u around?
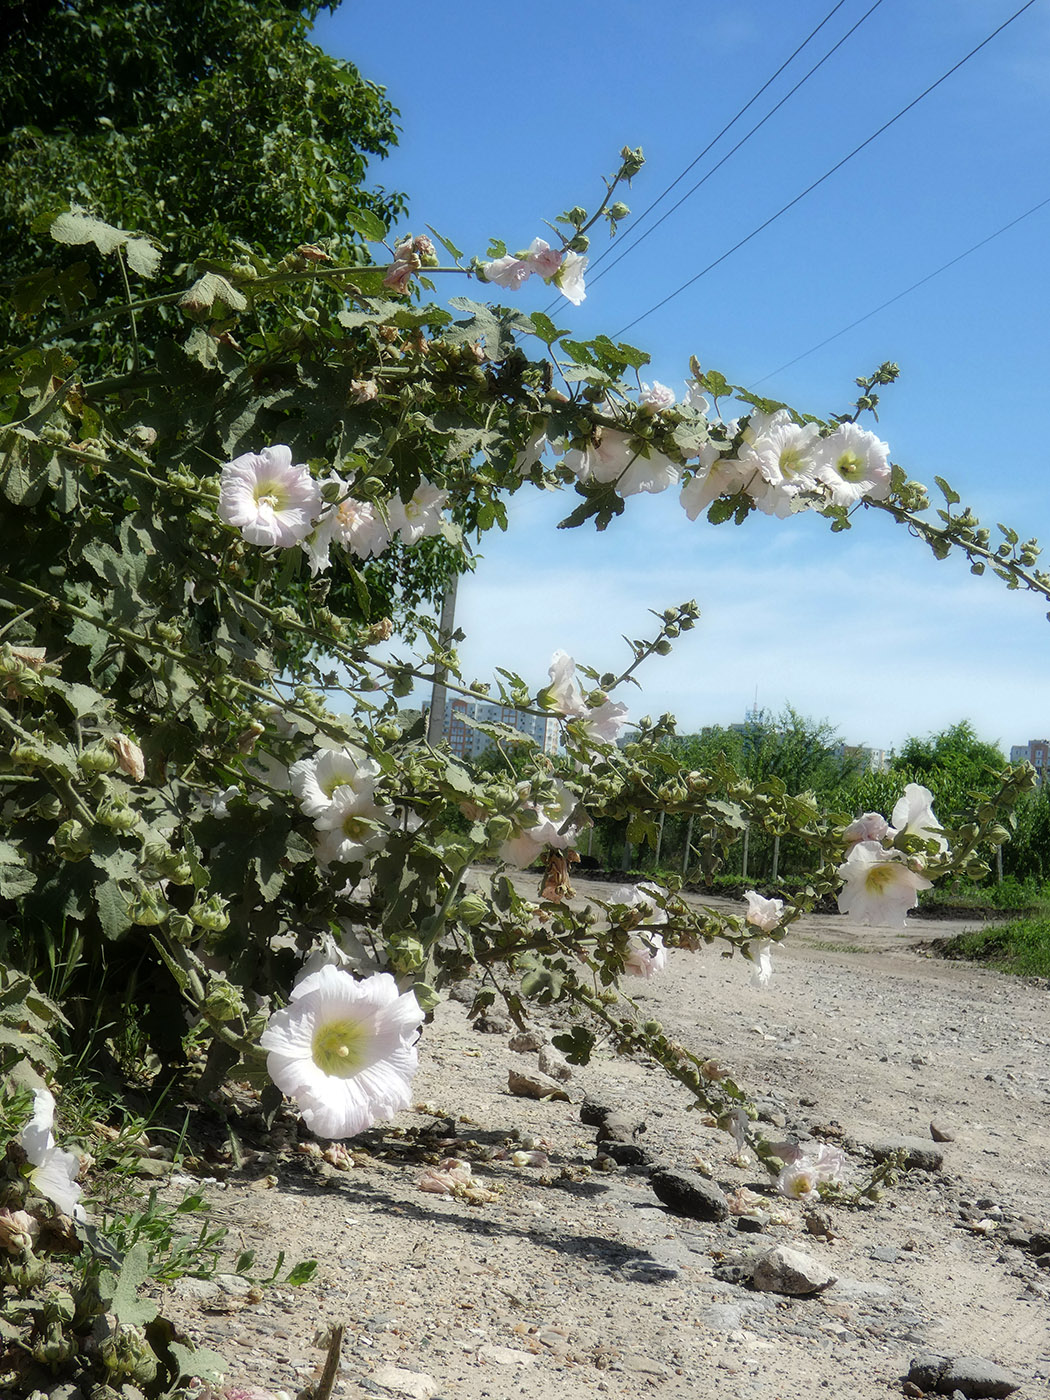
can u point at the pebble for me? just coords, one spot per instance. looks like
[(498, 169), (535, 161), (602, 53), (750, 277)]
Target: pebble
[(489, 1024), (688, 1193), (790, 1271), (594, 1113), (553, 1063), (620, 1127), (940, 1133), (533, 1085), (527, 1040), (504, 1356)]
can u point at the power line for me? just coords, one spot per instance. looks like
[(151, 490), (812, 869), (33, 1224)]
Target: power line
[(728, 126), (827, 174), (772, 111), (921, 283)]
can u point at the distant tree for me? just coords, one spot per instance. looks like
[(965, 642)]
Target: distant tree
[(805, 754), (955, 754)]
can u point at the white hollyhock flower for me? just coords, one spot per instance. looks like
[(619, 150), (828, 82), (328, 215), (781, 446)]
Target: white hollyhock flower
[(269, 499), (879, 887), (344, 1050), (853, 463), (781, 452), (601, 723), (351, 828), (762, 913), (55, 1171), (715, 476), (315, 781), (569, 278), (801, 1179), (525, 845), (626, 464), (646, 951), (419, 516), (645, 956), (760, 951), (913, 815), (533, 450)]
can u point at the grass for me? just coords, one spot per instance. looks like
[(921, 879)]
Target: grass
[(1021, 947)]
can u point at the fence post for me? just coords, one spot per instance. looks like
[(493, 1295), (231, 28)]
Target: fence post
[(776, 858), (688, 846), (998, 865), (660, 837), (747, 837)]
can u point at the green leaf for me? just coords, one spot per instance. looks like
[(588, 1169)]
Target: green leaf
[(209, 289), (449, 247), (77, 227), (143, 257), (545, 328), (363, 221), (952, 497), (304, 1271), (199, 1362), (124, 1289)]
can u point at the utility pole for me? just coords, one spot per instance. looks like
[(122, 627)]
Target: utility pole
[(447, 625)]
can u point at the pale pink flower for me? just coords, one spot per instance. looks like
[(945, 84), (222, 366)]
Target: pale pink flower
[(420, 515), (352, 524), (645, 955), (527, 842), (879, 887), (657, 396), (564, 693), (762, 913), (316, 781), (129, 757), (270, 500), (406, 261), (344, 1050), (872, 826), (603, 723), (569, 278), (913, 816), (853, 463), (533, 450), (543, 259), (18, 1230), (443, 1180), (508, 272)]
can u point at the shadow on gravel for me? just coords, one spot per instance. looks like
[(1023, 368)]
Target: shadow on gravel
[(605, 1256)]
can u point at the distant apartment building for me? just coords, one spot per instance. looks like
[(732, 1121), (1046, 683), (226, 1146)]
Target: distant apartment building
[(1037, 753), (467, 742), (868, 760)]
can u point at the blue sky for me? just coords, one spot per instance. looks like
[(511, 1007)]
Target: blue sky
[(508, 119)]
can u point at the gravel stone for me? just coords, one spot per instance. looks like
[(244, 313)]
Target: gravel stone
[(688, 1193)]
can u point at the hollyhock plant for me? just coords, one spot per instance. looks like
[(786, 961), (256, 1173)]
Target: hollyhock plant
[(525, 845), (715, 476), (646, 952), (630, 466), (353, 524), (879, 887), (509, 272), (55, 1171), (344, 1050), (760, 951), (913, 816), (268, 498), (601, 723)]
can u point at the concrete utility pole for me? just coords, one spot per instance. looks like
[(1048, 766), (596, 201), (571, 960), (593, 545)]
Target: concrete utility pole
[(447, 625)]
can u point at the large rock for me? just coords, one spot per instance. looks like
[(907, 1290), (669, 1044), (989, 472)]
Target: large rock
[(688, 1193), (972, 1376), (917, 1153), (790, 1271)]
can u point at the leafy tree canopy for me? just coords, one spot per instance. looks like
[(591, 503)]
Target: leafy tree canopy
[(804, 753), (955, 752), (201, 122)]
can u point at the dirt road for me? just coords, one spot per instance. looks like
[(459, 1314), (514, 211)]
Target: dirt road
[(568, 1283)]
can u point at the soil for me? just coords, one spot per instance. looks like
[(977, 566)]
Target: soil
[(567, 1279)]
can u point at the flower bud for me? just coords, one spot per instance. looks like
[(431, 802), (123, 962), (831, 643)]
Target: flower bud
[(471, 909), (18, 1230), (223, 1001), (148, 908), (129, 757), (72, 841), (211, 914), (115, 813), (618, 211), (97, 758)]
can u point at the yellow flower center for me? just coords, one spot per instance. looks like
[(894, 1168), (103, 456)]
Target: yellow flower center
[(338, 1048), (850, 466), (880, 877), (789, 460)]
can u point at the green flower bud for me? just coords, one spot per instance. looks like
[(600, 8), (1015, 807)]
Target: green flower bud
[(148, 908), (115, 813), (471, 909), (182, 928), (72, 841), (499, 829), (223, 1001), (211, 914), (618, 211), (28, 756)]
